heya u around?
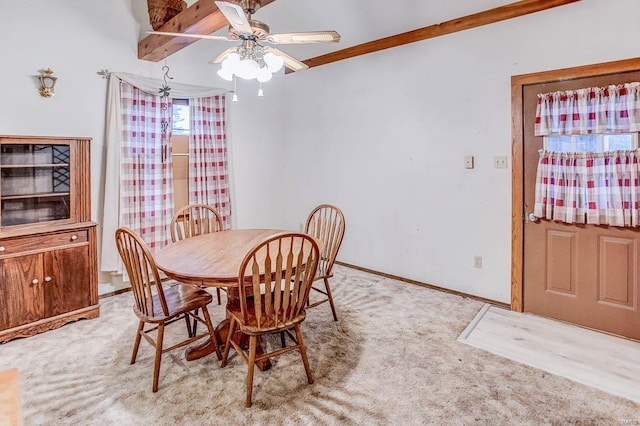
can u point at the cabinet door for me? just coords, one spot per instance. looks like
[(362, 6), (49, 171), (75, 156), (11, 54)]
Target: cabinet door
[(21, 300), (67, 281)]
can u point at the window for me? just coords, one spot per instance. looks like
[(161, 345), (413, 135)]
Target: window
[(596, 142), (180, 153), (180, 117)]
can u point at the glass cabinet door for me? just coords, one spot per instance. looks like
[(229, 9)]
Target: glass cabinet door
[(34, 183)]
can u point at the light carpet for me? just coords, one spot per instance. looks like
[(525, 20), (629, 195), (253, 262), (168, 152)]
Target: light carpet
[(596, 359), (392, 358)]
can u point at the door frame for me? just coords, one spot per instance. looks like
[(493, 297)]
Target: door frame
[(517, 157)]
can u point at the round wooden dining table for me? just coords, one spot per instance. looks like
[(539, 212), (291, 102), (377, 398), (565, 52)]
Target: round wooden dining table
[(211, 260)]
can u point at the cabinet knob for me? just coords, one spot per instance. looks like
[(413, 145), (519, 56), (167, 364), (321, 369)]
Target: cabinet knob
[(35, 281), (74, 237), (2, 248), (47, 279)]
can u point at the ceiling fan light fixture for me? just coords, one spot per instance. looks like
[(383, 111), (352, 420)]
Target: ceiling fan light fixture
[(225, 73), (264, 75), (273, 61), (247, 69), (231, 60)]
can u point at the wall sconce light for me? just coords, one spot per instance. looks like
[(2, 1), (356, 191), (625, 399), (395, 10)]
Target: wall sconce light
[(47, 83)]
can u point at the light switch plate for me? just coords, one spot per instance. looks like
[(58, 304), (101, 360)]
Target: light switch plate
[(468, 161)]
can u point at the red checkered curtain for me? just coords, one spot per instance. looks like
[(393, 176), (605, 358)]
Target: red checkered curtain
[(208, 166), (592, 188), (146, 189), (589, 110)]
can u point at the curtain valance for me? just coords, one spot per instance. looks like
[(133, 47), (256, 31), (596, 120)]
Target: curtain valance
[(614, 108), (592, 188)]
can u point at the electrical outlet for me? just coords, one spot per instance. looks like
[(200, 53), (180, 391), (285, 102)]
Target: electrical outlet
[(477, 262), (500, 162)]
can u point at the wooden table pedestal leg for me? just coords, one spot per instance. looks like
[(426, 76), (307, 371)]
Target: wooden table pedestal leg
[(221, 332)]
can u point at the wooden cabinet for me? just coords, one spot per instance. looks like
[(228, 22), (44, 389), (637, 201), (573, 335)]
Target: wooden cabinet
[(48, 261)]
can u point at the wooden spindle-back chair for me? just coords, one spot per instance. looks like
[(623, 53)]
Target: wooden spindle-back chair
[(196, 219), (156, 305), (274, 283), (326, 223)]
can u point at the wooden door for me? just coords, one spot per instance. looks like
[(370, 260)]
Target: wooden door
[(583, 274), (21, 300), (66, 277)]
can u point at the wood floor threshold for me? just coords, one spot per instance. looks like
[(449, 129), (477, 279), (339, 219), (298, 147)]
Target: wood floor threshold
[(426, 285)]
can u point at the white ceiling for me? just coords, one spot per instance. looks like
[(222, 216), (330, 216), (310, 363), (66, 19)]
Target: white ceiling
[(357, 21)]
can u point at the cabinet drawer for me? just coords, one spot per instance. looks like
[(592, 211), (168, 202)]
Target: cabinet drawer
[(43, 242)]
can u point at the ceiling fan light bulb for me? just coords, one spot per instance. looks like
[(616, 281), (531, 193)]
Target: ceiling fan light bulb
[(273, 61), (232, 58), (247, 69), (264, 75), (225, 73)]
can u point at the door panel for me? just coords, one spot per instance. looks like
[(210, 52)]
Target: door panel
[(583, 274), (618, 266), (22, 300), (67, 289), (561, 256)]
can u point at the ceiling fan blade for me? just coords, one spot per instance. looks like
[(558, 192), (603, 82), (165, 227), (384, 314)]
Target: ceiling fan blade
[(308, 37), (289, 61), (202, 36), (235, 15), (221, 57)]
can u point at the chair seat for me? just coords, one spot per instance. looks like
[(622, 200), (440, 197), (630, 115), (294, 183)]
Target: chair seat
[(267, 325), (180, 298)]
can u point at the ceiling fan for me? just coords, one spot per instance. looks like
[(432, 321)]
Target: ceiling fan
[(252, 59)]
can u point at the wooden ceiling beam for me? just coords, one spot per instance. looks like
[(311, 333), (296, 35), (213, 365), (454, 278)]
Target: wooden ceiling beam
[(202, 17), (509, 11)]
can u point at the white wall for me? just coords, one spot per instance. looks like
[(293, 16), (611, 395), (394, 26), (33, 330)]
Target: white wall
[(77, 38), (370, 134), (383, 136)]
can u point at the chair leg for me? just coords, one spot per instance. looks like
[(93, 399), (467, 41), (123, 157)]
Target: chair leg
[(303, 354), (156, 367), (219, 299), (333, 307), (136, 345), (232, 329), (188, 321), (282, 341), (195, 324), (253, 344), (212, 333)]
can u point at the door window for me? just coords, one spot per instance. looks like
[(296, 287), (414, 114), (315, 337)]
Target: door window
[(599, 142)]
